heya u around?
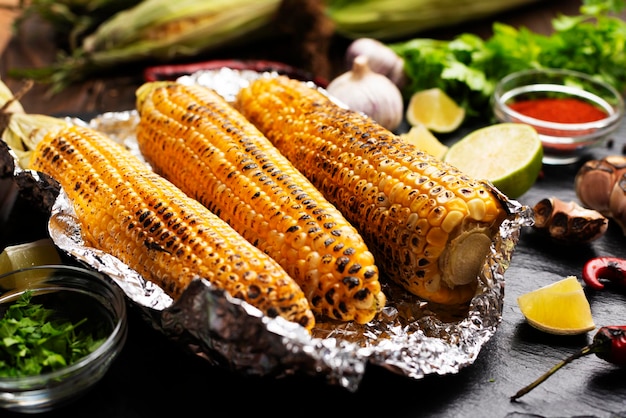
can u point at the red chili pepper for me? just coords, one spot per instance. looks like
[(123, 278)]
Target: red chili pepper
[(609, 344), (600, 269)]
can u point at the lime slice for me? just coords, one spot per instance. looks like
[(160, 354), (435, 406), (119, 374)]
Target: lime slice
[(423, 139), (509, 155), (434, 109), (559, 308), (29, 254)]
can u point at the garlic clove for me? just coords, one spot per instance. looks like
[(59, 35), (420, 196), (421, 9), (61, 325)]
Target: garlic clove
[(369, 92)]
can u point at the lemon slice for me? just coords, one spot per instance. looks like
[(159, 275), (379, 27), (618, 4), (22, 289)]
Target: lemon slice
[(29, 254), (509, 155), (434, 109), (423, 139), (559, 308)]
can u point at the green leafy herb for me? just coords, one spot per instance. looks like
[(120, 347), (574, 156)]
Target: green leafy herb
[(468, 67), (35, 340)]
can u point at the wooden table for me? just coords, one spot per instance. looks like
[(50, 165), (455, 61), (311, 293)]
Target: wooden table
[(154, 378)]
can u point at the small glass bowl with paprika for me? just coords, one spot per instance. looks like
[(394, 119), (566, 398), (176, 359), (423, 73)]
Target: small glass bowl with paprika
[(61, 328), (570, 110)]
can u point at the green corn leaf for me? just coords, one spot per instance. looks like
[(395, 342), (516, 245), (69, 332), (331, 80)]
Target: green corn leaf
[(158, 30)]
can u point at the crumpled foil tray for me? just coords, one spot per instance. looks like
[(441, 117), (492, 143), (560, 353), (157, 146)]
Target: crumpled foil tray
[(410, 337)]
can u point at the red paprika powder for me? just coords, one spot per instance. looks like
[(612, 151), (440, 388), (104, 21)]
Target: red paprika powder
[(560, 110)]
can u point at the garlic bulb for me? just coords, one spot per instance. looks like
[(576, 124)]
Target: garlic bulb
[(366, 91), (380, 57), (601, 185)]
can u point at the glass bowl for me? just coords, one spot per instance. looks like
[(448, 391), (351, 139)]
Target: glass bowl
[(75, 293), (566, 131)]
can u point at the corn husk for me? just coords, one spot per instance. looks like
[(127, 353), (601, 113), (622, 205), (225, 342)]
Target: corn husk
[(162, 31), (20, 130), (394, 19), (166, 29), (72, 20)]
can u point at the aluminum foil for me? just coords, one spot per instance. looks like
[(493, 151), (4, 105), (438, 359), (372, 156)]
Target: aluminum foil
[(410, 337)]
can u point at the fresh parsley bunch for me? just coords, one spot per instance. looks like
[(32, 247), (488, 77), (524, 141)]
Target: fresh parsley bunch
[(35, 340), (468, 67)]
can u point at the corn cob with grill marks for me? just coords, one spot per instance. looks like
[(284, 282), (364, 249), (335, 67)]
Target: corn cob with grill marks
[(193, 137), (429, 226), (130, 212)]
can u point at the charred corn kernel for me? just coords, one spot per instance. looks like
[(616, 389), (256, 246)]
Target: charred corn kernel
[(130, 212), (193, 137), (429, 226)]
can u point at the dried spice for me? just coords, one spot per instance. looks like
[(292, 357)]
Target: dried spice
[(560, 110)]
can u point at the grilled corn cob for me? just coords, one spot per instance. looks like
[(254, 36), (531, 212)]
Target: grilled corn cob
[(429, 226), (130, 212), (193, 137)]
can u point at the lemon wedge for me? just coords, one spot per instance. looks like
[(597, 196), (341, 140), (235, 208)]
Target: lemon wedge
[(509, 155), (559, 308), (424, 140), (434, 109), (29, 254)]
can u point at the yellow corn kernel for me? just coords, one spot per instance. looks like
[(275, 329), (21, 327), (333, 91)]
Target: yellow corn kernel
[(429, 226), (130, 212), (193, 137)]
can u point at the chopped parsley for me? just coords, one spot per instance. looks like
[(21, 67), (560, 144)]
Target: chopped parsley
[(36, 340)]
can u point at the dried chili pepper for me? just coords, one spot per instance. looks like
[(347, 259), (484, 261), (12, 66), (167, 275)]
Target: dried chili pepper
[(600, 269), (609, 344)]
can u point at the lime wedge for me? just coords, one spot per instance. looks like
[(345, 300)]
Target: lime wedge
[(434, 109), (559, 308), (509, 155), (29, 254), (424, 140)]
